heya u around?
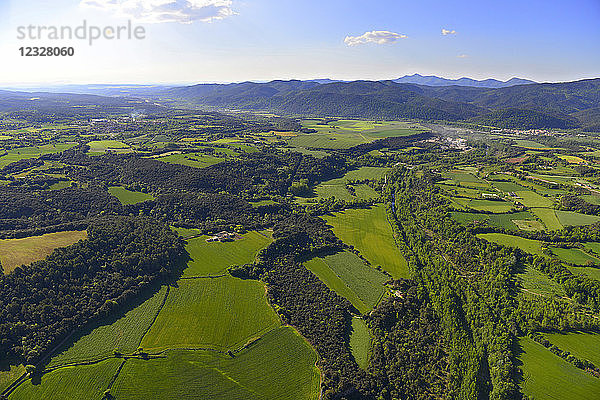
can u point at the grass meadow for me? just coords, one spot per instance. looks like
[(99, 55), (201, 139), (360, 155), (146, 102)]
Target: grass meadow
[(16, 252), (128, 196), (215, 257)]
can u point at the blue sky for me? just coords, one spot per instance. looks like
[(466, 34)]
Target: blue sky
[(191, 41)]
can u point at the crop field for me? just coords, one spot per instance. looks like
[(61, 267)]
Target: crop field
[(192, 160), (219, 313), (570, 218), (490, 205), (70, 383), (340, 192), (123, 335), (527, 245), (591, 198), (574, 256), (127, 196), (537, 282), (98, 147), (592, 246), (571, 159), (280, 365), (365, 281), (548, 217), (529, 225), (547, 376), (370, 233), (321, 269), (532, 199), (508, 187), (16, 252), (360, 341), (592, 272), (583, 345), (326, 141), (10, 374), (23, 153), (213, 258)]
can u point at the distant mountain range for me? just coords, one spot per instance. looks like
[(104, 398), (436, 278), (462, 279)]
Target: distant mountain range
[(529, 106), (525, 106), (432, 80)]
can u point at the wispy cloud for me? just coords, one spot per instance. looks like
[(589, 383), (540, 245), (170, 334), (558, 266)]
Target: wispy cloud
[(378, 37), (462, 56), (448, 32), (155, 11)]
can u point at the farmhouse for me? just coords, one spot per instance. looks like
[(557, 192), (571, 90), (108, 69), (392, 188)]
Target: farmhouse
[(223, 236)]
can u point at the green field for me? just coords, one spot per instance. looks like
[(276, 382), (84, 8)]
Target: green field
[(360, 341), (498, 220), (70, 383), (16, 252), (337, 187), (10, 374), (527, 245), (281, 365), (585, 346), (213, 258), (548, 217), (321, 269), (497, 206), (537, 282), (574, 256), (218, 313), (123, 335), (23, 153), (570, 218), (547, 376), (592, 246), (591, 198), (532, 199), (370, 233), (127, 196), (366, 282), (101, 146), (192, 160), (508, 187)]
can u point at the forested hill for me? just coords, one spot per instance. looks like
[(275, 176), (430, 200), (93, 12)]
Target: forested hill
[(544, 105)]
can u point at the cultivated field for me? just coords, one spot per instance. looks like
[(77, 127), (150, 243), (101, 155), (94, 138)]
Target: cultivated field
[(527, 245), (585, 346), (370, 233), (281, 365), (547, 376), (70, 383), (365, 282), (105, 337), (216, 313), (16, 252), (23, 153)]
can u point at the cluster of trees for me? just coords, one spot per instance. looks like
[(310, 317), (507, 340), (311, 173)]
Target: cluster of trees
[(575, 203), (408, 354), (42, 303)]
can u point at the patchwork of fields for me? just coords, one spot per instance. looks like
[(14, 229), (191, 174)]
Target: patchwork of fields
[(212, 337)]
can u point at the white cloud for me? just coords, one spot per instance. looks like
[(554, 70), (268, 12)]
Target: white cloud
[(378, 37), (448, 32), (154, 11), (462, 56)]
